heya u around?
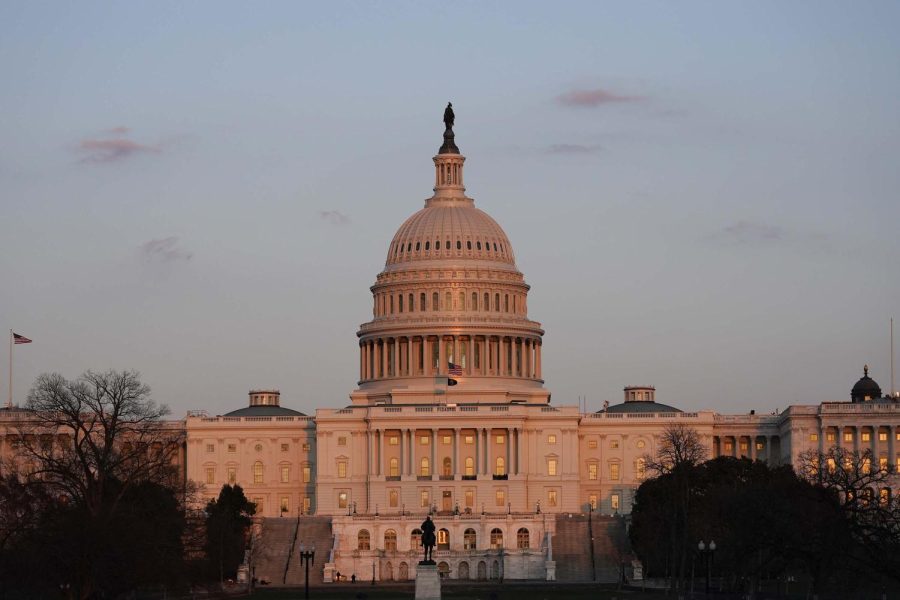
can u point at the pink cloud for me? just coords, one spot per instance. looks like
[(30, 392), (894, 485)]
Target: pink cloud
[(111, 150), (120, 130), (593, 98)]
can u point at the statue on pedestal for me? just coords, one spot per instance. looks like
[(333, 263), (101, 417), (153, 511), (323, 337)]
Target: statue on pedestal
[(428, 541)]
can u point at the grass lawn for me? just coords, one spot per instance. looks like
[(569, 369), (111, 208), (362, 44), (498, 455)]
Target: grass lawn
[(461, 591)]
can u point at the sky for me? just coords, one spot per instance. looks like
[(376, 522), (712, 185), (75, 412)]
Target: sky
[(702, 195)]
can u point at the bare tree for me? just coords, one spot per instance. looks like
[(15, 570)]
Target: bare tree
[(100, 428), (679, 445)]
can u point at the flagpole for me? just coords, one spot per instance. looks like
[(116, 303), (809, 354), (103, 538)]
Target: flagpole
[(9, 401), (892, 357)]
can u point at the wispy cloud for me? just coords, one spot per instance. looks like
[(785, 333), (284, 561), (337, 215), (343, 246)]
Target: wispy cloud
[(99, 151), (165, 250), (592, 98), (572, 149), (748, 232), (335, 217), (120, 130)]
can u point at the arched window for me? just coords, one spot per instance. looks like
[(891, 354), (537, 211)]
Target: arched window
[(392, 304), (474, 300), (257, 472), (415, 539), (470, 539), (447, 245), (458, 245), (394, 467), (495, 246), (497, 302), (500, 467), (400, 303), (418, 246), (496, 538), (434, 301), (422, 302), (462, 301), (390, 541), (470, 466), (478, 245), (409, 247), (363, 540), (505, 303), (437, 244), (487, 302), (443, 539), (412, 306), (468, 244), (425, 467), (427, 245), (448, 467), (448, 303), (522, 538)]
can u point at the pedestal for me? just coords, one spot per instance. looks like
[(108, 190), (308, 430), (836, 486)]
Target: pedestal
[(428, 582)]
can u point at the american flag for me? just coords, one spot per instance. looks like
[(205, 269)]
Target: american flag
[(20, 339), (454, 369)]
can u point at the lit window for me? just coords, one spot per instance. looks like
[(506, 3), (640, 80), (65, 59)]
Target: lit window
[(425, 468), (592, 444), (470, 498), (866, 436), (614, 444), (866, 465), (210, 475), (424, 499), (882, 436), (423, 440), (551, 498), (342, 468), (614, 502), (522, 539), (744, 446), (729, 446), (883, 463), (551, 466), (232, 448), (446, 440), (285, 504), (305, 447), (343, 499), (394, 467), (307, 472), (342, 441), (447, 469), (592, 471), (470, 539), (897, 437), (257, 472), (832, 466), (500, 466), (285, 474), (470, 439), (210, 447), (884, 496), (285, 447), (307, 504), (470, 466), (760, 445), (363, 540), (501, 439), (393, 440), (848, 436), (592, 500), (814, 437), (830, 436), (232, 475), (614, 471), (640, 465), (496, 538), (260, 505), (500, 497), (551, 439)]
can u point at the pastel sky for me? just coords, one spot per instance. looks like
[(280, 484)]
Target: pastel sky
[(703, 195)]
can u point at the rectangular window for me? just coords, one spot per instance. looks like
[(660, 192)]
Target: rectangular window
[(614, 444), (343, 499), (285, 504), (232, 448), (592, 500), (848, 436), (393, 498), (342, 441), (446, 440), (897, 437), (470, 439), (551, 439), (760, 445), (729, 446), (500, 497), (210, 475), (814, 437), (232, 475), (394, 440), (470, 498), (592, 444), (866, 436), (305, 447), (744, 446), (424, 500), (260, 505), (830, 436), (614, 471), (285, 447), (614, 502), (552, 498), (342, 468), (210, 448), (551, 466), (882, 436), (285, 474), (423, 440), (592, 471), (307, 504), (501, 439), (307, 472), (883, 463)]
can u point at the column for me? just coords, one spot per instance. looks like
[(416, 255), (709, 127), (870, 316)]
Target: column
[(370, 447), (856, 435), (518, 449), (537, 360), (529, 347), (508, 450), (823, 431), (402, 455), (892, 460), (380, 450), (477, 451), (396, 356), (484, 355), (501, 356), (384, 358), (456, 360), (442, 356), (455, 451), (434, 442), (487, 451), (752, 448)]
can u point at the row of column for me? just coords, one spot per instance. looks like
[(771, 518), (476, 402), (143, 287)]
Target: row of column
[(474, 355), (857, 444), (752, 453), (408, 465)]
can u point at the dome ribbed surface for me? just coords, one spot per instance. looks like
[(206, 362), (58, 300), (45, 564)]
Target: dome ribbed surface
[(458, 229)]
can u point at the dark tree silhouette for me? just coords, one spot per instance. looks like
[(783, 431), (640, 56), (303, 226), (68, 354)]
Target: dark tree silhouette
[(227, 521)]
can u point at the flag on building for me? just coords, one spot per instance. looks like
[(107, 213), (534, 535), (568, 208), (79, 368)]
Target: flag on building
[(454, 369), (20, 339)]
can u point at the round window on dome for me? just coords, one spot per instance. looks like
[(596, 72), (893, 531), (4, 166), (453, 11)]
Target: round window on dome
[(427, 245)]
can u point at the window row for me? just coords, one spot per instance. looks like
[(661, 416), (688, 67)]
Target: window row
[(470, 539), (233, 448), (258, 474), (389, 304), (488, 247)]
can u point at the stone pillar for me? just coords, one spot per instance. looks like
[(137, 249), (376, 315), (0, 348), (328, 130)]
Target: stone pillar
[(487, 451), (402, 453), (892, 434), (456, 360), (409, 357), (362, 362), (501, 363), (434, 441), (477, 451), (380, 451), (384, 358), (530, 362), (857, 430), (442, 356), (455, 451), (396, 351), (752, 447), (410, 451), (537, 359), (507, 466)]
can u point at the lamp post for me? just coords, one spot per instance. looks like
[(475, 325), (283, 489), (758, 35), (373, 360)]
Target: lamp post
[(707, 553), (307, 557)]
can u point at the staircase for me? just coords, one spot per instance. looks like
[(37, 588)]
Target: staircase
[(277, 552), (573, 553)]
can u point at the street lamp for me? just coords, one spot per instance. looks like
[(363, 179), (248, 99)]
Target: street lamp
[(307, 557), (707, 553)]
